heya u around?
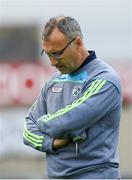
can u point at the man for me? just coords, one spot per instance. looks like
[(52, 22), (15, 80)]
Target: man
[(75, 120)]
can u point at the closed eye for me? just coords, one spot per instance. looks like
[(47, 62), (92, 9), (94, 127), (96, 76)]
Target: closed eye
[(55, 53)]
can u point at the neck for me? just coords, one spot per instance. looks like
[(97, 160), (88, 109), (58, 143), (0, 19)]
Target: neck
[(84, 54)]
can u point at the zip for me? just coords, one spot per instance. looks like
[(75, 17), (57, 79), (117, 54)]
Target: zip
[(77, 148)]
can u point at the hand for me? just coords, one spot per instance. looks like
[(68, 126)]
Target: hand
[(59, 143)]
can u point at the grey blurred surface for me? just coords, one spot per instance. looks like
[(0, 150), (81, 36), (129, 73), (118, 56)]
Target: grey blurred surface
[(125, 142), (22, 169)]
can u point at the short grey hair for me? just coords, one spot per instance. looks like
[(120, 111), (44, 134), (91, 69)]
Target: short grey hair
[(67, 25)]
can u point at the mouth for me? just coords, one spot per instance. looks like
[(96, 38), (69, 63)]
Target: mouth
[(60, 67)]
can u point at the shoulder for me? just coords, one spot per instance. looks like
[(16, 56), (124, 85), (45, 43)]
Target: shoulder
[(49, 81), (101, 70), (53, 78)]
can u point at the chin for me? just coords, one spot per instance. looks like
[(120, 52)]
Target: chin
[(65, 72)]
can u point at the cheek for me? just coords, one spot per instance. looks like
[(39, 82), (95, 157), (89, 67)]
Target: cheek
[(70, 64), (69, 59)]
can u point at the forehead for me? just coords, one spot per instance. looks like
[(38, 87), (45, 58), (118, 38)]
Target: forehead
[(55, 41)]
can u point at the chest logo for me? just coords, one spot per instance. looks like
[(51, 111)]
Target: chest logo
[(76, 91), (56, 89)]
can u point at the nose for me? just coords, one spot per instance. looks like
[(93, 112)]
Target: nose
[(53, 61)]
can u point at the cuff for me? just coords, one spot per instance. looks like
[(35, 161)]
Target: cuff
[(48, 144)]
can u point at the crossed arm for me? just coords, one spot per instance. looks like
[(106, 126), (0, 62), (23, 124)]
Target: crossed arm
[(32, 136), (56, 131)]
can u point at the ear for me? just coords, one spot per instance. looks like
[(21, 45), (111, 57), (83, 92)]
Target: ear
[(79, 42)]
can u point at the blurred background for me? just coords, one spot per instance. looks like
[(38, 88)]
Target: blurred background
[(107, 29)]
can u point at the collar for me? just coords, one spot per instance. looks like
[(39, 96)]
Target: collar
[(88, 59)]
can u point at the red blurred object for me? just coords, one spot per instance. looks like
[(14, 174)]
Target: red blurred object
[(21, 83), (124, 70)]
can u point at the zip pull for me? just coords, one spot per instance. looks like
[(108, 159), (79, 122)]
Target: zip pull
[(77, 148)]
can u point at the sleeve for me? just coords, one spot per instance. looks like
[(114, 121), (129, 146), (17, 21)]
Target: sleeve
[(99, 98), (32, 136)]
